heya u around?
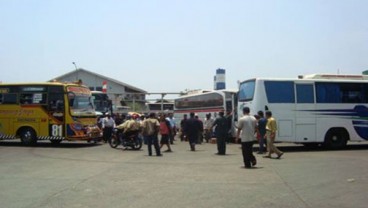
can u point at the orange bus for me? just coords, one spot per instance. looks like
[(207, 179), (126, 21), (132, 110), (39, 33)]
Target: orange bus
[(47, 111)]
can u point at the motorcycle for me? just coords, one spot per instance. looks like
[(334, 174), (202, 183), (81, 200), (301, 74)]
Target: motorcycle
[(131, 139)]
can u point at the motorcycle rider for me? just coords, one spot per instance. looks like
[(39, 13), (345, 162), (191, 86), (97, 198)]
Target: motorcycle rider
[(131, 126)]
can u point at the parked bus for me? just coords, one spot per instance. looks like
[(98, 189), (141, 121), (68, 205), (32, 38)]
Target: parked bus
[(47, 111), (101, 102), (312, 110), (207, 103)]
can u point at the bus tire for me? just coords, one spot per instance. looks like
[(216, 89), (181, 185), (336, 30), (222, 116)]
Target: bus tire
[(28, 136), (336, 138), (55, 141)]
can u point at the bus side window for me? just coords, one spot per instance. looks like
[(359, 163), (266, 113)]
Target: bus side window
[(59, 105), (56, 102), (43, 99), (10, 98), (364, 93), (26, 99)]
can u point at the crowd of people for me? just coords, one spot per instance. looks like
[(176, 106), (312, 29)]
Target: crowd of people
[(195, 131)]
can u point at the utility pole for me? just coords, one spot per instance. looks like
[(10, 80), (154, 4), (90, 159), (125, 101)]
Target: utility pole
[(76, 69)]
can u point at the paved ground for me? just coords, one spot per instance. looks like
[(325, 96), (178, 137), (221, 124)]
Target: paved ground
[(86, 175)]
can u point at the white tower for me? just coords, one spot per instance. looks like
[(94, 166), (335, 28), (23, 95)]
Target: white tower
[(219, 79)]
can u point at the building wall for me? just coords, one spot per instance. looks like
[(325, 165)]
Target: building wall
[(115, 91)]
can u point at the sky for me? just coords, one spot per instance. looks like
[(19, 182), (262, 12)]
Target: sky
[(174, 45)]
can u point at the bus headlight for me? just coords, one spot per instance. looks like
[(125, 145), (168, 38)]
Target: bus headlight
[(93, 131)]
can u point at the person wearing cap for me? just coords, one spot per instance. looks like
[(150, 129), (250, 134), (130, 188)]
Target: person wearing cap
[(130, 126)]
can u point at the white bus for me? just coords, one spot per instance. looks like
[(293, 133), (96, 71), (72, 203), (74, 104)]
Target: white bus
[(318, 109), (101, 102), (206, 103)]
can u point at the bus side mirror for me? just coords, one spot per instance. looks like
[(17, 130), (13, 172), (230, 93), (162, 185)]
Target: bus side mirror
[(266, 108)]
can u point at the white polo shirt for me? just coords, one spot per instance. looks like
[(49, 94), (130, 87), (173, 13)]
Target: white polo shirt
[(247, 124)]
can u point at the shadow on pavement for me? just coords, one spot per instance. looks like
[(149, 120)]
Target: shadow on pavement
[(47, 144), (302, 148)]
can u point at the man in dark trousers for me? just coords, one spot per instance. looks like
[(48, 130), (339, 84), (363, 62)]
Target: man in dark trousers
[(192, 128), (261, 131), (183, 122), (221, 133), (246, 128), (229, 118), (150, 129), (108, 125)]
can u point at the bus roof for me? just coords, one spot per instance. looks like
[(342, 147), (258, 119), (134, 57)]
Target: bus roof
[(97, 92), (209, 92), (41, 83), (335, 76), (319, 77)]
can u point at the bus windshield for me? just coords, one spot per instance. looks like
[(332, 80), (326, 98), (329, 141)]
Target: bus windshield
[(246, 90), (80, 101), (101, 102)]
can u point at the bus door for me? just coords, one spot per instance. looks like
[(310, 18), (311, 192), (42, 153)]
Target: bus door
[(232, 106), (57, 115), (305, 119), (281, 101)]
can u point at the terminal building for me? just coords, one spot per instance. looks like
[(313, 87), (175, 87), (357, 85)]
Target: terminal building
[(119, 92)]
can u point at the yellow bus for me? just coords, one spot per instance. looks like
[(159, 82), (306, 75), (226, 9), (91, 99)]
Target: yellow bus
[(47, 111)]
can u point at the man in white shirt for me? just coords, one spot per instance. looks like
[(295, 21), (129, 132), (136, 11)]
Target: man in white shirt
[(108, 125), (246, 129)]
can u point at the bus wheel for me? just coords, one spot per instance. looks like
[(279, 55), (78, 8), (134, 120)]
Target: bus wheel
[(28, 136), (336, 138), (56, 141)]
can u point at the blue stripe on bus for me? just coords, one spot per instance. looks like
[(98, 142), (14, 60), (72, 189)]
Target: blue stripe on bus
[(359, 113)]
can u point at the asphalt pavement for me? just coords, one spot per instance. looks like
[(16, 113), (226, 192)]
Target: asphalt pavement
[(79, 175)]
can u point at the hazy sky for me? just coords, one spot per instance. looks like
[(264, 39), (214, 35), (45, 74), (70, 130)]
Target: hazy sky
[(176, 45)]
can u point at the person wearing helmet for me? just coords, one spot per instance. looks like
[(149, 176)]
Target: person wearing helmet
[(131, 125)]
